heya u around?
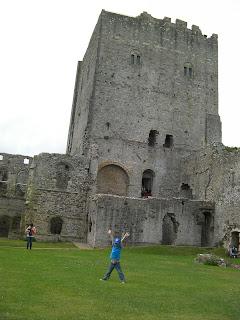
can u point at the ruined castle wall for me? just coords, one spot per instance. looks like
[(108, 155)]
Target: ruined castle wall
[(14, 173), (150, 221), (213, 174), (56, 198), (11, 217)]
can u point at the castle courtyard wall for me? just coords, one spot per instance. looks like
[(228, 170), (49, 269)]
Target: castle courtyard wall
[(150, 221), (57, 191), (14, 173), (12, 218), (213, 174)]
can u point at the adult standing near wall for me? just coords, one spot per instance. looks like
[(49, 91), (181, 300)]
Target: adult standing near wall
[(31, 230)]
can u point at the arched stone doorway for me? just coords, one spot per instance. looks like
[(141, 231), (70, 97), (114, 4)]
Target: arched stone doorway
[(56, 225), (16, 223), (4, 226), (207, 229), (112, 179), (147, 181), (169, 229), (235, 239)]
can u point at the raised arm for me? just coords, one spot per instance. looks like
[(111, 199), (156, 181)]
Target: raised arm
[(127, 234), (111, 236)]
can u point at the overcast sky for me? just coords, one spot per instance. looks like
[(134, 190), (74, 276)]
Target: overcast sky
[(42, 41)]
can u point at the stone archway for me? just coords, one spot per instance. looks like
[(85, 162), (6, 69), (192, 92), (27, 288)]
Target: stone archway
[(147, 181), (235, 238), (169, 229), (207, 229), (4, 226), (56, 225), (16, 223), (112, 179)]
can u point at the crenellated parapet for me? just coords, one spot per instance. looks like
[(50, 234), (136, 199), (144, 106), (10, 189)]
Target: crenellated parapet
[(161, 31)]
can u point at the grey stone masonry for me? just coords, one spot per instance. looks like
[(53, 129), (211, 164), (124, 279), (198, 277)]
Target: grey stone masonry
[(140, 78), (213, 174), (150, 221), (57, 191), (14, 173)]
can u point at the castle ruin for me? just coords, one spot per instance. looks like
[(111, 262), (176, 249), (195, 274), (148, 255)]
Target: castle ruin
[(144, 116)]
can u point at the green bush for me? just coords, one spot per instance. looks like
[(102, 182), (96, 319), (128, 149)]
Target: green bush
[(212, 261)]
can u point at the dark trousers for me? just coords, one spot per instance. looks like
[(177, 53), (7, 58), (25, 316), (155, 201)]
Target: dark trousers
[(118, 268), (29, 242)]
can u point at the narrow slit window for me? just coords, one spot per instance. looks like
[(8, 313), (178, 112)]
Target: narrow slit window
[(152, 138), (132, 59), (190, 72), (138, 60), (168, 141)]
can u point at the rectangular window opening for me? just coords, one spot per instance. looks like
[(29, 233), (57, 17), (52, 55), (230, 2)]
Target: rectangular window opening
[(152, 138), (138, 60), (168, 141), (26, 161)]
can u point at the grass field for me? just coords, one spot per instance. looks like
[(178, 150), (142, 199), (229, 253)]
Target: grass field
[(162, 283)]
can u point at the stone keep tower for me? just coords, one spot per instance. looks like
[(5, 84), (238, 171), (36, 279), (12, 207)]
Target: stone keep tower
[(146, 96)]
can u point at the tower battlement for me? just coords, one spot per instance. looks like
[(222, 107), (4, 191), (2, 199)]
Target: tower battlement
[(161, 31)]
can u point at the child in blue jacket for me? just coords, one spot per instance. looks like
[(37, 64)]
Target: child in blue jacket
[(115, 256)]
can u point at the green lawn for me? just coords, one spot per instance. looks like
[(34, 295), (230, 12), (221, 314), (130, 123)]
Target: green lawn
[(162, 283), (23, 243)]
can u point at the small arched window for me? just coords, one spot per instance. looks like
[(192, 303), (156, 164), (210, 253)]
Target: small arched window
[(135, 57), (188, 70)]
